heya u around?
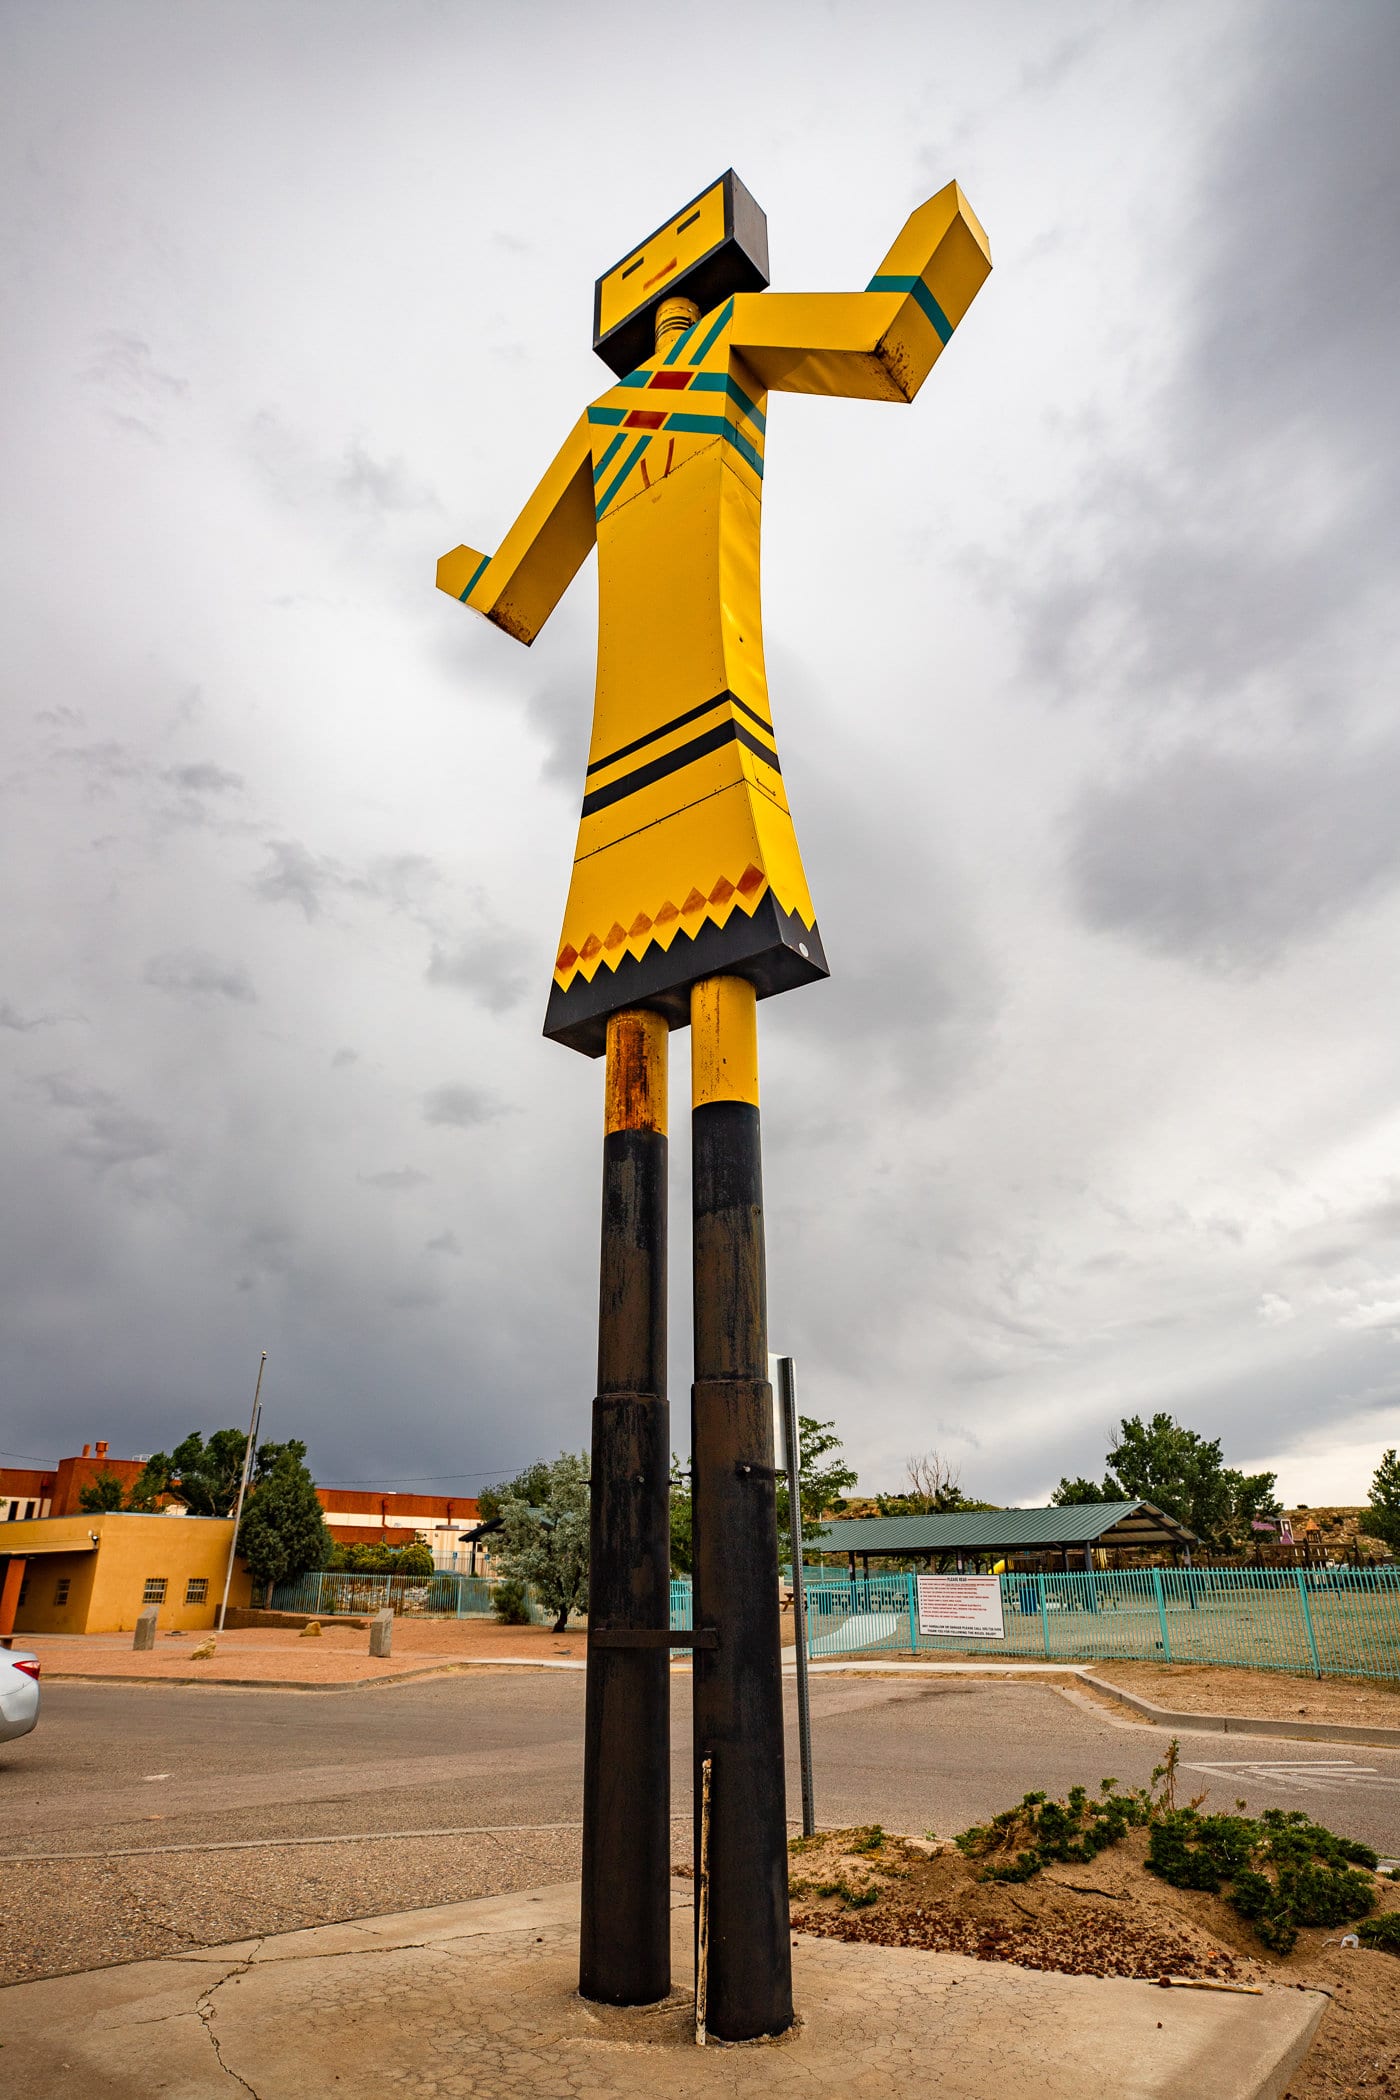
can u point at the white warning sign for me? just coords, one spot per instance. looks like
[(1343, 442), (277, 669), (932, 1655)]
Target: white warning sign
[(961, 1607)]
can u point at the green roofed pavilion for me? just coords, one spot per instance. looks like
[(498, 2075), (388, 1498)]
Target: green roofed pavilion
[(1082, 1526)]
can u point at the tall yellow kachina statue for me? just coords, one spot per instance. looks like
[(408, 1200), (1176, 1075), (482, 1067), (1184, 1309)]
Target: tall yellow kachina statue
[(688, 902)]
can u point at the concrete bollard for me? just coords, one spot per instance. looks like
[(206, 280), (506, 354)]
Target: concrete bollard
[(381, 1633), (146, 1627)]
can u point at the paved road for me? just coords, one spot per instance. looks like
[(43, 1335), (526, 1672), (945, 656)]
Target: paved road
[(135, 1770), (111, 1765)]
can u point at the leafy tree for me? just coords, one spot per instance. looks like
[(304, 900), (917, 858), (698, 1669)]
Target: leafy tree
[(682, 1521), (377, 1558), (1072, 1494), (1250, 1495), (545, 1538), (151, 1483), (1159, 1461), (822, 1480), (105, 1492), (204, 1475), (530, 1486), (283, 1532), (1184, 1474), (1383, 1517)]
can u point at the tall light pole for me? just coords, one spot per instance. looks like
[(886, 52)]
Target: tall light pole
[(248, 1450)]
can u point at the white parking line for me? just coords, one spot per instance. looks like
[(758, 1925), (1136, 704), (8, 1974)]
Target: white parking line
[(1317, 1773)]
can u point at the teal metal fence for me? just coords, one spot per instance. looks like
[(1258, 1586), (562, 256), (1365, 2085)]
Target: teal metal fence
[(329, 1595), (1330, 1622), (1327, 1622)]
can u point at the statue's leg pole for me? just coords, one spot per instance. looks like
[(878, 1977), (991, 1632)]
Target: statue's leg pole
[(738, 1683), (625, 1936)]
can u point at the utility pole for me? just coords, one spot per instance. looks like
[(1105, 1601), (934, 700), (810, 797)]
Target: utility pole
[(248, 1450)]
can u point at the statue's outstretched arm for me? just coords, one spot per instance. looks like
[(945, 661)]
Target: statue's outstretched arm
[(519, 586), (879, 344)]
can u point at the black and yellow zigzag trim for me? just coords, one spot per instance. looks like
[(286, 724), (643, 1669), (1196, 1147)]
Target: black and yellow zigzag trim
[(774, 949)]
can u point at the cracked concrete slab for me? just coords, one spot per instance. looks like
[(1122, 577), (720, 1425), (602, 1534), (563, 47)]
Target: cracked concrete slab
[(477, 2000)]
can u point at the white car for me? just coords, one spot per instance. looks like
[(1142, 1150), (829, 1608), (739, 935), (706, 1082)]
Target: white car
[(19, 1692)]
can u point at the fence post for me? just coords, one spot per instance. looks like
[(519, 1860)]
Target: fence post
[(320, 1585), (1162, 1614), (1044, 1617), (913, 1613), (1307, 1619)]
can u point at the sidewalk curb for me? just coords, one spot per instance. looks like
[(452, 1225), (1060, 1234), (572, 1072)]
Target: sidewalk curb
[(1244, 1724), (298, 1684), (1161, 1716)]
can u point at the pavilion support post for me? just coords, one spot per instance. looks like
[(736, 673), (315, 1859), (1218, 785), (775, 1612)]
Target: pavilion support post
[(738, 1682), (625, 1930)]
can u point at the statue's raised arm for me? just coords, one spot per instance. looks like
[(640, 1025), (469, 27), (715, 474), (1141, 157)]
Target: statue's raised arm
[(882, 343)]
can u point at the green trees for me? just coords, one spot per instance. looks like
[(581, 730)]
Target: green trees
[(103, 1493), (1183, 1473), (283, 1532), (544, 1525), (203, 1475), (682, 1521), (415, 1559), (823, 1477), (1074, 1493), (1383, 1517)]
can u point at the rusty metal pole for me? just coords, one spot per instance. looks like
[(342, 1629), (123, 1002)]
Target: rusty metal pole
[(738, 1682), (625, 1932)]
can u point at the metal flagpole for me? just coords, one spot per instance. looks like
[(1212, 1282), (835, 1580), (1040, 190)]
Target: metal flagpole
[(792, 1459), (248, 1449)]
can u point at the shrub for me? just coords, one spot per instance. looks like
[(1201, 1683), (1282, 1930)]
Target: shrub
[(1382, 1932), (1280, 1870), (511, 1603), (1314, 1878), (1039, 1830)]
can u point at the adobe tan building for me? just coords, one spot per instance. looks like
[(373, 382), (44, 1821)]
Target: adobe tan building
[(94, 1572)]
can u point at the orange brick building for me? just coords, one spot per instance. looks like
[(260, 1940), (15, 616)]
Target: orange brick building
[(354, 1516), (53, 1491), (360, 1517)]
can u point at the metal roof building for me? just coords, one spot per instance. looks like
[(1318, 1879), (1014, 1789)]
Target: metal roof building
[(982, 1533)]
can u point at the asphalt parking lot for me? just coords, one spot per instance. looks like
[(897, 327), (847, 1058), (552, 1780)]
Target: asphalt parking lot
[(210, 1815)]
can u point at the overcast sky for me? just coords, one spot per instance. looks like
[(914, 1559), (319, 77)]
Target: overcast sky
[(1084, 670)]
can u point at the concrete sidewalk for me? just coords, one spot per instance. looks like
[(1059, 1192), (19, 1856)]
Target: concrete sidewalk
[(478, 1999)]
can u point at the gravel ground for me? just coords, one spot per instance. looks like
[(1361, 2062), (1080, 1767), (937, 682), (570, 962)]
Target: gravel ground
[(270, 1655)]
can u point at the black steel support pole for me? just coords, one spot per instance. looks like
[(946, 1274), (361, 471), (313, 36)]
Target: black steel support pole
[(625, 1932), (738, 1683)]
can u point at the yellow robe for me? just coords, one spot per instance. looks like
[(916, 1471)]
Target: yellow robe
[(687, 863)]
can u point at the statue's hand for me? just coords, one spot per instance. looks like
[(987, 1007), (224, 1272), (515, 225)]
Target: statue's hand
[(457, 571)]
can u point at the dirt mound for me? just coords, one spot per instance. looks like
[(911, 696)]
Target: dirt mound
[(1091, 1921), (1108, 1918)]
